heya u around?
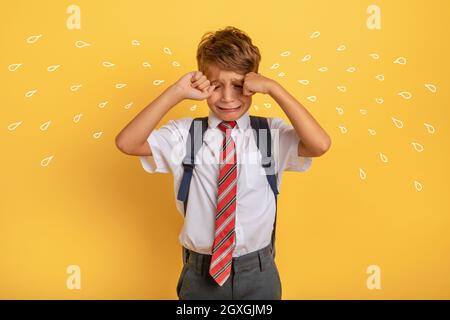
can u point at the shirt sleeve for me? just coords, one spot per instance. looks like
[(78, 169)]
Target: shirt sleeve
[(285, 142), (167, 145)]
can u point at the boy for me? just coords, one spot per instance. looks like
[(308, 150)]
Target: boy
[(229, 218)]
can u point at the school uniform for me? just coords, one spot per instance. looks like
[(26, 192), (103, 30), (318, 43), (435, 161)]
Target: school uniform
[(252, 272)]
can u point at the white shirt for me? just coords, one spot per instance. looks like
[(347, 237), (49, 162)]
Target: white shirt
[(255, 202)]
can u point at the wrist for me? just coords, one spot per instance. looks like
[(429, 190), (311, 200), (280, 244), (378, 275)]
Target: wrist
[(273, 87), (176, 92)]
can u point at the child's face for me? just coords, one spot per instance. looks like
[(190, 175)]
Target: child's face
[(227, 100)]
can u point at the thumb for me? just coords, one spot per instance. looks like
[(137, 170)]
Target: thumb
[(247, 92), (209, 91)]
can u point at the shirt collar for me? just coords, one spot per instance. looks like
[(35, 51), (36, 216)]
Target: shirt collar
[(242, 123)]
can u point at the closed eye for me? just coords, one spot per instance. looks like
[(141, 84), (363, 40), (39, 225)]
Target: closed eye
[(217, 86)]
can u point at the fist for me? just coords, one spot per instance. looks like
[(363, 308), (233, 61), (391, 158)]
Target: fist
[(255, 82), (194, 85)]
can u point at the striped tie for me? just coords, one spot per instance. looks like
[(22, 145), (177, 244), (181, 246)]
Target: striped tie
[(224, 238)]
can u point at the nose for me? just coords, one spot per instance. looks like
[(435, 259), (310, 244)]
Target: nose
[(227, 94)]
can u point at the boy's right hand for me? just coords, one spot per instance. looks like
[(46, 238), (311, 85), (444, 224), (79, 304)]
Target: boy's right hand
[(194, 85)]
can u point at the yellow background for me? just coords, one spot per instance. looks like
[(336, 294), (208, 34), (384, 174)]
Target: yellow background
[(95, 207)]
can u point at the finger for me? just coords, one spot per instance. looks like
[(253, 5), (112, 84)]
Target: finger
[(246, 92), (204, 85), (196, 76), (199, 81), (208, 91)]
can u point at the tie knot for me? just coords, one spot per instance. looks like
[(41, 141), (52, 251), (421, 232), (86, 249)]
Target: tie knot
[(224, 125)]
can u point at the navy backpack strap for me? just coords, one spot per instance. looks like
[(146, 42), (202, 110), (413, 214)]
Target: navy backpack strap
[(194, 142), (263, 140)]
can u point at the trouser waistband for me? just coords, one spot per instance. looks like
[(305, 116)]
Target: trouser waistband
[(255, 259)]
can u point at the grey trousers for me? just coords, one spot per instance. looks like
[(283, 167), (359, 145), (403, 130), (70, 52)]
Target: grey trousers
[(254, 276)]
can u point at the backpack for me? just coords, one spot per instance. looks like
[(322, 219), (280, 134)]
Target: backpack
[(261, 131)]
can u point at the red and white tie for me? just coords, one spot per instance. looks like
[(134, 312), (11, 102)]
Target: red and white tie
[(224, 238)]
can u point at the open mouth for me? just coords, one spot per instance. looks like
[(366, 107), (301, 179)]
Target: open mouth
[(229, 109)]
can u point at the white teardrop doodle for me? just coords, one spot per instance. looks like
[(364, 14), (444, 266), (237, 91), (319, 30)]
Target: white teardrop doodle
[(267, 105), (372, 132), (362, 174), (45, 125), (363, 111), (158, 82), (342, 47), (342, 88), (13, 67), (429, 127), (128, 105), (146, 64), (379, 100), (81, 44), (303, 82), (120, 85), (340, 110), (431, 87), (97, 135), (255, 107), (14, 125), (405, 95), (417, 146), (102, 104), (343, 129), (281, 74), (312, 98), (374, 56), (108, 64), (167, 50), (275, 66), (323, 69), (400, 60), (135, 43), (33, 39), (46, 161), (315, 35), (77, 118), (30, 93), (379, 77), (53, 68), (351, 69), (306, 58), (418, 185), (285, 54), (193, 108), (75, 87), (176, 64), (398, 123), (383, 157)]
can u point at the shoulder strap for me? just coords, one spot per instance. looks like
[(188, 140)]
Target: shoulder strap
[(194, 142), (263, 138)]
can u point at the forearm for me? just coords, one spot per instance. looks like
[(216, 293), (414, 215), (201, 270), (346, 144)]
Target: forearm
[(307, 128), (137, 130)]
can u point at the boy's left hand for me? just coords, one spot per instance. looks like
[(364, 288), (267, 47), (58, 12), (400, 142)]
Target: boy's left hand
[(255, 82)]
